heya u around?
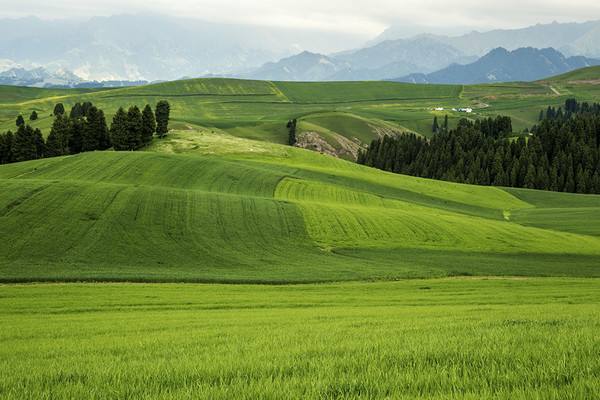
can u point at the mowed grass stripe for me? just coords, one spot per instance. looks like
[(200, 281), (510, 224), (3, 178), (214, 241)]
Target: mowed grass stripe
[(149, 230), (152, 169)]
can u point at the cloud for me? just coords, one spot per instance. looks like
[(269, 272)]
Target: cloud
[(358, 17)]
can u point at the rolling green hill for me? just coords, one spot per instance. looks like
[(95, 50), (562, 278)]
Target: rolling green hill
[(222, 200), (356, 111), (203, 206)]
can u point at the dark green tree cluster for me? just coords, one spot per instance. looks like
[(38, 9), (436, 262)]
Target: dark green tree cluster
[(84, 129), (132, 129), (25, 144), (562, 153), (291, 126)]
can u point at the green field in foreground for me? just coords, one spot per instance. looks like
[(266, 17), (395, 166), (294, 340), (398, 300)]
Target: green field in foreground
[(434, 339)]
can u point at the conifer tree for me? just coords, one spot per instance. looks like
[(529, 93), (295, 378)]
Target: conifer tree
[(162, 113), (90, 137), (76, 131), (76, 111), (102, 131), (148, 125), (20, 121), (118, 131), (53, 146), (6, 148), (134, 128), (291, 125), (40, 144), (59, 109), (24, 145), (436, 126), (60, 131)]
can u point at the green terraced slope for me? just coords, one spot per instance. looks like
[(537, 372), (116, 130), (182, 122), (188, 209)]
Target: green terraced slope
[(203, 206)]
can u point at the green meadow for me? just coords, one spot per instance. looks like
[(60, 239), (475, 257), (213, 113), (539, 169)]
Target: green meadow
[(355, 110), (221, 263), (436, 339)]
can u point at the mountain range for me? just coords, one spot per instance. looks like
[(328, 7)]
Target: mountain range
[(39, 77), (569, 38), (387, 57), (60, 78), (152, 47), (501, 65), (147, 47)]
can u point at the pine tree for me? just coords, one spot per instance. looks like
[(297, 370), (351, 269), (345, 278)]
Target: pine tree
[(76, 111), (76, 129), (58, 139), (90, 137), (24, 145), (436, 127), (95, 133), (148, 125), (20, 121), (59, 109), (102, 131), (581, 181), (162, 113), (53, 146), (291, 126), (596, 183), (33, 116), (6, 148), (40, 144), (134, 128), (118, 131)]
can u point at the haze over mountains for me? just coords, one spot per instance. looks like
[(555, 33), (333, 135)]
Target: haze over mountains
[(150, 47), (146, 48), (501, 65)]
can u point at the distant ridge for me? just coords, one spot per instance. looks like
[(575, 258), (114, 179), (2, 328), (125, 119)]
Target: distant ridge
[(42, 78), (501, 65)]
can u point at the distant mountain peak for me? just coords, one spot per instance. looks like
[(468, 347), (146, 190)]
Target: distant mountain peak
[(501, 65)]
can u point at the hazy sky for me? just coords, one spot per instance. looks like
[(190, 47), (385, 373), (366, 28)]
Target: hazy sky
[(363, 17)]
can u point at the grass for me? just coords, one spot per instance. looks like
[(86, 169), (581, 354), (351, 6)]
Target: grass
[(434, 339), (220, 263), (259, 110), (209, 207)]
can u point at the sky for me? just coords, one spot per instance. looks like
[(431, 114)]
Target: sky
[(366, 18)]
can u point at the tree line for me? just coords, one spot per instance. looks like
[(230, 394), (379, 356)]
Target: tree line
[(561, 153), (85, 129)]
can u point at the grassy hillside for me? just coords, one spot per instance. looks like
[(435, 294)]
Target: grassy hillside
[(221, 200), (357, 110), (211, 207)]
